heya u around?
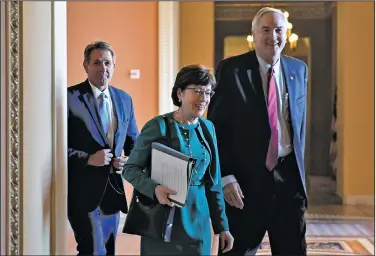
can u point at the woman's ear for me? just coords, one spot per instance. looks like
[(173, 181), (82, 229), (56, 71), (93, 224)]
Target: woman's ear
[(180, 94)]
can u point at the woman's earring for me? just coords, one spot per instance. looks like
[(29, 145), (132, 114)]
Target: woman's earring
[(179, 100)]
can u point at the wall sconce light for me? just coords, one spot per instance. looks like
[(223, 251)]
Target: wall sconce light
[(250, 42), (293, 39)]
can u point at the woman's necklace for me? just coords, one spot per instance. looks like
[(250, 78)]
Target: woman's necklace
[(179, 116), (185, 134)]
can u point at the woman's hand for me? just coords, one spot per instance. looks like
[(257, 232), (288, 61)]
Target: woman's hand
[(226, 240), (162, 194)]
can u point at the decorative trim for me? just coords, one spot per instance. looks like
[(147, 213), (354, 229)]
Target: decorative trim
[(3, 180), (297, 10), (359, 200), (14, 123)]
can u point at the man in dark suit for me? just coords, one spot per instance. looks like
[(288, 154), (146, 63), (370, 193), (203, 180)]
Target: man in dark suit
[(101, 124), (259, 111)]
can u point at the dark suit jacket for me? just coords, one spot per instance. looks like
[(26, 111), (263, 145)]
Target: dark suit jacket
[(239, 112), (86, 184)]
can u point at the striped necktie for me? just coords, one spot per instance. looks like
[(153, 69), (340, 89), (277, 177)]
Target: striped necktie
[(272, 156)]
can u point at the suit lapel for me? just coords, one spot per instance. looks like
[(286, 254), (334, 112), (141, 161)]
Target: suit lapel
[(255, 81), (206, 137), (289, 78), (90, 103)]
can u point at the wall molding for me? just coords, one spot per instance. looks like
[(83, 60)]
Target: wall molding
[(359, 200), (19, 224), (297, 10)]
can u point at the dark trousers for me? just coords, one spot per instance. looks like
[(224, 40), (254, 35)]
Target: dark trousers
[(276, 206), (95, 232)]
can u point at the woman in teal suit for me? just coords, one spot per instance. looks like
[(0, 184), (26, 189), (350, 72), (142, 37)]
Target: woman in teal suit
[(192, 135)]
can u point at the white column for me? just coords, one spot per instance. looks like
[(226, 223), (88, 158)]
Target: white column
[(43, 140), (168, 19), (59, 96), (37, 127)]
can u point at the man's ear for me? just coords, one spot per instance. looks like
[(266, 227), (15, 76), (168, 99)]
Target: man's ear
[(84, 64)]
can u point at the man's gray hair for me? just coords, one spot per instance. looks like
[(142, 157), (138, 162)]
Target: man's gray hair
[(101, 45), (261, 12)]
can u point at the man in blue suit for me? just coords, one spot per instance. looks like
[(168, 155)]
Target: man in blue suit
[(259, 112), (101, 124)]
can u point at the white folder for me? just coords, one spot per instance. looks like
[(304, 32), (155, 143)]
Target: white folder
[(172, 169)]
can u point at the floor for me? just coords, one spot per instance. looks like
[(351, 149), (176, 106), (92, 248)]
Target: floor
[(322, 191), (332, 228)]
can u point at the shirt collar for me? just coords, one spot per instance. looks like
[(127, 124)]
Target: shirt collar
[(97, 92), (264, 67)]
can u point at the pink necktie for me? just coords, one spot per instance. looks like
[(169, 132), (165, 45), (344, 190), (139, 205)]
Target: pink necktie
[(272, 156)]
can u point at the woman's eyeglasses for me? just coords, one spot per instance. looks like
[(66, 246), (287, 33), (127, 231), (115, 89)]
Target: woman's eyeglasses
[(199, 92)]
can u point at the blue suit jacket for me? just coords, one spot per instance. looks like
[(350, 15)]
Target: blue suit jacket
[(239, 113), (86, 184)]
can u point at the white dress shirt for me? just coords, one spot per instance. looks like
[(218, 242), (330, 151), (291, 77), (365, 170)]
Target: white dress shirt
[(284, 138), (112, 118)]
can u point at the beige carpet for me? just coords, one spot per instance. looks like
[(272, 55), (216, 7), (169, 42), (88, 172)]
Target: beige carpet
[(129, 245), (331, 229), (325, 236)]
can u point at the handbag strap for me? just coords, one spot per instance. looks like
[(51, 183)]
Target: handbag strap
[(168, 133)]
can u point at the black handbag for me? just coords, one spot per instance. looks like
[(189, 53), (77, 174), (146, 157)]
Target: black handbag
[(147, 217)]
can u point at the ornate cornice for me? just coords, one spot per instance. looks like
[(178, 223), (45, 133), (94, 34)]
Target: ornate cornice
[(297, 10)]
